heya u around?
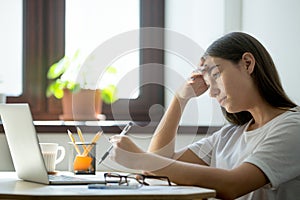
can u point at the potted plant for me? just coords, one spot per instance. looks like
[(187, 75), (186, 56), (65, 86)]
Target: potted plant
[(78, 101)]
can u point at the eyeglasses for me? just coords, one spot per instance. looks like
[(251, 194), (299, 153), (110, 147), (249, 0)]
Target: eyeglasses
[(139, 178)]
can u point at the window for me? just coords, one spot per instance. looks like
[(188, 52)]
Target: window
[(88, 28), (11, 47), (44, 43)]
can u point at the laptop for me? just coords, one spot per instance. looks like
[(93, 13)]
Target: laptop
[(25, 150)]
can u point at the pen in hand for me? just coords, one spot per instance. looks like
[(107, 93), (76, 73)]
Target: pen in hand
[(124, 132)]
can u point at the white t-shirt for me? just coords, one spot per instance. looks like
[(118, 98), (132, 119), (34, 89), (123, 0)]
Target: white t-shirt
[(274, 148)]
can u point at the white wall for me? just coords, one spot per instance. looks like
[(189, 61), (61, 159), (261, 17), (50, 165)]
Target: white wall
[(6, 162), (200, 22), (274, 23)]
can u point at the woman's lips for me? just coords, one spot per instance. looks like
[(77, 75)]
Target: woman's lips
[(222, 100)]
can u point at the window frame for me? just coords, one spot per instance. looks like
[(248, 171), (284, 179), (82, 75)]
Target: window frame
[(44, 44)]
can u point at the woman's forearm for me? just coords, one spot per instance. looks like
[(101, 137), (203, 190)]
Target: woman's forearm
[(183, 173), (229, 184), (163, 140)]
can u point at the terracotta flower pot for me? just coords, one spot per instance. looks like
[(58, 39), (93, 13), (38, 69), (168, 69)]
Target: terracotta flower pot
[(84, 105)]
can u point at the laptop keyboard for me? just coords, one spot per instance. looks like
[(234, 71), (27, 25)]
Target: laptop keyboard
[(64, 178)]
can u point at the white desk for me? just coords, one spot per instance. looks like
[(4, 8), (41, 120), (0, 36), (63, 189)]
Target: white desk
[(13, 188)]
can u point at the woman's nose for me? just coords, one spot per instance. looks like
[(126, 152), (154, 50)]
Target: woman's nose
[(214, 91)]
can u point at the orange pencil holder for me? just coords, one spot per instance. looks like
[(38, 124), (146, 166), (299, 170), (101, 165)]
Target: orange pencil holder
[(84, 161)]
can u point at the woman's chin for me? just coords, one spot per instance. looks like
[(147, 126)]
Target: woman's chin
[(231, 109)]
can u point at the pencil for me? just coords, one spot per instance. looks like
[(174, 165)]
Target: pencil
[(81, 138), (94, 140), (73, 141)]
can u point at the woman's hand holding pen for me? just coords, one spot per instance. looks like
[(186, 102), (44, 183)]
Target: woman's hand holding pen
[(125, 143), (125, 151)]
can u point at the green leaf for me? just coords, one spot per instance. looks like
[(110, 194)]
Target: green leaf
[(49, 91), (73, 87), (58, 68), (56, 89), (59, 93), (108, 94), (111, 70), (76, 55)]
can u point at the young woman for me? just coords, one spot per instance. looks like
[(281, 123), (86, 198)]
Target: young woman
[(254, 156)]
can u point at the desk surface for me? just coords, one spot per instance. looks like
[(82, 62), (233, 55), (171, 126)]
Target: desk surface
[(13, 188)]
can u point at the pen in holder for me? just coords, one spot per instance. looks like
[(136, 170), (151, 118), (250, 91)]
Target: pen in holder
[(82, 158)]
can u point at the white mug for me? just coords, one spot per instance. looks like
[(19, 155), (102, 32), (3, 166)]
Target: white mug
[(50, 151)]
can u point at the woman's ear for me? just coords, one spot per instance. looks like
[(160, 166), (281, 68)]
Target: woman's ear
[(248, 61)]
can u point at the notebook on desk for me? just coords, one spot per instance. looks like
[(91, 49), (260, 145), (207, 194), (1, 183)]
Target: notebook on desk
[(25, 150)]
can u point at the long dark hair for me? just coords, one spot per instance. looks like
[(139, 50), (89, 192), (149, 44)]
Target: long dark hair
[(231, 47)]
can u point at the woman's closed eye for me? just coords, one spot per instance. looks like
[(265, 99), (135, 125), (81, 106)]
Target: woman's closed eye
[(216, 75), (212, 74), (215, 72)]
